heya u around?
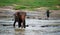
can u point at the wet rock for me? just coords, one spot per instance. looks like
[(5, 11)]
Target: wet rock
[(6, 25), (45, 26), (39, 18), (50, 26), (27, 25)]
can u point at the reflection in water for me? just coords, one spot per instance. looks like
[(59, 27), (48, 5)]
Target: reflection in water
[(19, 31), (24, 32)]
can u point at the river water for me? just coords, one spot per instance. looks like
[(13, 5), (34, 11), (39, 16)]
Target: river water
[(36, 27)]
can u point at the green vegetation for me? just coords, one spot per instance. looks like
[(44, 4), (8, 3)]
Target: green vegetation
[(30, 4)]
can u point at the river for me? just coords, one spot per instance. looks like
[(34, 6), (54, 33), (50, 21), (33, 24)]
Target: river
[(36, 27)]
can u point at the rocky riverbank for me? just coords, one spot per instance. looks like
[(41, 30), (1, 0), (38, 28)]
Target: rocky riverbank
[(37, 14)]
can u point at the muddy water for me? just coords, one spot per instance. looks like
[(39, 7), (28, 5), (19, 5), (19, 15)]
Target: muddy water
[(33, 29)]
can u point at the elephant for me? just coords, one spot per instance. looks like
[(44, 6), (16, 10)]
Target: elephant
[(20, 18)]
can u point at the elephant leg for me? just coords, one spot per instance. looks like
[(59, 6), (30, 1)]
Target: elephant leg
[(19, 24), (14, 23), (24, 24)]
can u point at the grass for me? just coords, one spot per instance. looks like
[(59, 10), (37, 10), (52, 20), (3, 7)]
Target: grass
[(30, 4)]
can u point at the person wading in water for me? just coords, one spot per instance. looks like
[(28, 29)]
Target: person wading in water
[(48, 14)]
